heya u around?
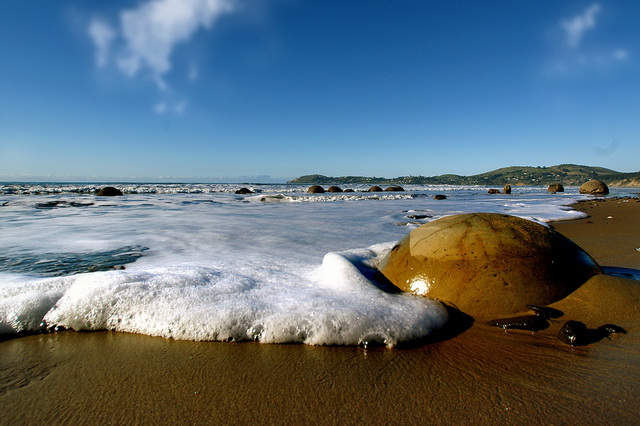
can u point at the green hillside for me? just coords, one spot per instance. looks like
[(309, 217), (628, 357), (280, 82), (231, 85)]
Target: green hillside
[(566, 174)]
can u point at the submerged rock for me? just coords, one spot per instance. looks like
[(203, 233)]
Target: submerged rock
[(109, 191), (493, 191), (488, 264), (395, 189), (595, 187), (439, 197)]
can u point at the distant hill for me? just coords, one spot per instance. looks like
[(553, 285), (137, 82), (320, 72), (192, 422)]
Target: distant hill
[(566, 174)]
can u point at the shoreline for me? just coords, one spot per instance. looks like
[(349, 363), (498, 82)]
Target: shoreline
[(610, 233), (483, 373)]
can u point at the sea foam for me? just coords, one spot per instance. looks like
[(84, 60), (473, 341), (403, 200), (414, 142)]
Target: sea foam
[(333, 305)]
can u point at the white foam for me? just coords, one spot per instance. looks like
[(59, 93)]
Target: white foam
[(333, 305)]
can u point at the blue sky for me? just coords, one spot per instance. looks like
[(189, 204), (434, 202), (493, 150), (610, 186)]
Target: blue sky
[(268, 90)]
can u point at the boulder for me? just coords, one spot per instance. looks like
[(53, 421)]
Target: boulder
[(395, 189), (334, 189), (375, 188), (595, 187), (244, 191), (488, 264), (555, 187), (493, 191), (506, 189), (109, 191), (439, 197), (349, 190), (315, 189)]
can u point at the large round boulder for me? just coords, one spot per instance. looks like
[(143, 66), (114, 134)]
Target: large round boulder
[(595, 187), (375, 188), (555, 187), (488, 264), (395, 189), (334, 189), (315, 189), (109, 191)]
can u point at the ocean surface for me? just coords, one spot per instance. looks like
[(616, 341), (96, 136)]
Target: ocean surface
[(199, 262)]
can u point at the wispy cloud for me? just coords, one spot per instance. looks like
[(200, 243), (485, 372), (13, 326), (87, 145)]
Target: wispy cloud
[(576, 27), (144, 38), (620, 54), (102, 35), (576, 52), (166, 107), (194, 72)]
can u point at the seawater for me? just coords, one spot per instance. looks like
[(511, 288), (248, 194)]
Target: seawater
[(198, 262)]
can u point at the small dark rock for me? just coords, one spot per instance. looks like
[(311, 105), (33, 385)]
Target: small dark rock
[(506, 189), (493, 191), (439, 197), (525, 322), (109, 191), (50, 204), (575, 333), (572, 332), (418, 216), (395, 189), (244, 191), (545, 312), (612, 328), (349, 190)]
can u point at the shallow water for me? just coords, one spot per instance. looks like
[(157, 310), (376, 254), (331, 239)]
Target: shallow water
[(202, 263)]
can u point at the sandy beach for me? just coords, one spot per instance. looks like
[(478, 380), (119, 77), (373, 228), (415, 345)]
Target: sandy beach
[(480, 375)]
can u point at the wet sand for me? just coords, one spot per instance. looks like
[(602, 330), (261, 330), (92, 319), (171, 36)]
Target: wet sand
[(482, 375)]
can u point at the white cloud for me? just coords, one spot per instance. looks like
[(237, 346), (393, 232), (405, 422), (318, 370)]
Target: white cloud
[(576, 27), (102, 35), (145, 37)]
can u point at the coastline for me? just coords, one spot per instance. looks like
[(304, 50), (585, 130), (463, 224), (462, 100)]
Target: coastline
[(484, 373)]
